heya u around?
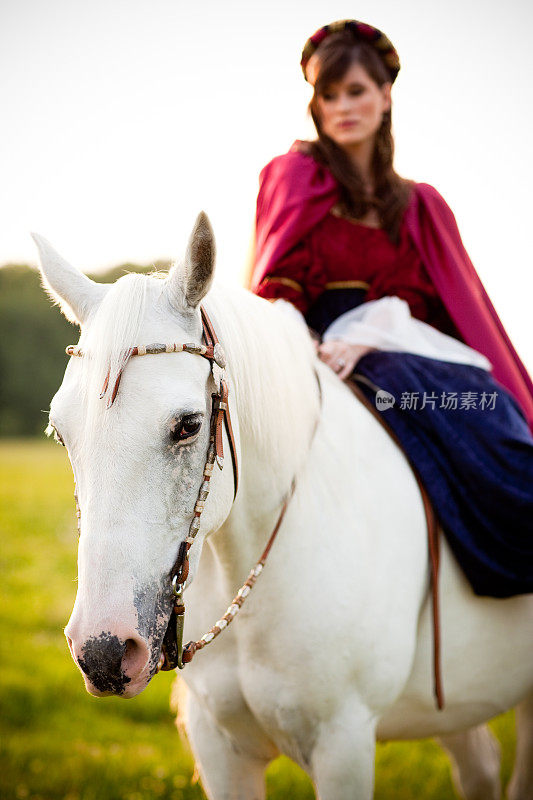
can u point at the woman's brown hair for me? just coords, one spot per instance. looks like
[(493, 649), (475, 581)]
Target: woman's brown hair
[(391, 192)]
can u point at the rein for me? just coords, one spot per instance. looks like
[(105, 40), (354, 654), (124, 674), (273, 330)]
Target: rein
[(173, 653)]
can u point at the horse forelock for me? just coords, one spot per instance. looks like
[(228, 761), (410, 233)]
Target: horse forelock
[(110, 333)]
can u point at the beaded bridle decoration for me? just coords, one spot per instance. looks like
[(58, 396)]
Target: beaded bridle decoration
[(173, 654)]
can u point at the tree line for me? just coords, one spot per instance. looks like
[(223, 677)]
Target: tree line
[(33, 337)]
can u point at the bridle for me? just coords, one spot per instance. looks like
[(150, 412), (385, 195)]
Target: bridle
[(173, 653)]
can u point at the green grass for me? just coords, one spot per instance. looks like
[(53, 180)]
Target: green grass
[(57, 741)]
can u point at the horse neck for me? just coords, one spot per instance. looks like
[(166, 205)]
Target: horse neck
[(276, 399)]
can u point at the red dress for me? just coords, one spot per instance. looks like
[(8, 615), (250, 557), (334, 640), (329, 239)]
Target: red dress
[(340, 255), (303, 247)]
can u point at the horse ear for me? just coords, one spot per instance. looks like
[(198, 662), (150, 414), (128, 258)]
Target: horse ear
[(189, 283), (74, 292)]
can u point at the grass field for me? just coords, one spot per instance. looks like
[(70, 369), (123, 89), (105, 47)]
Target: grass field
[(57, 741)]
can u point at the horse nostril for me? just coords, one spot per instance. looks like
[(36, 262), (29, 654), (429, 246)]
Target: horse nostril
[(135, 658), (130, 649)]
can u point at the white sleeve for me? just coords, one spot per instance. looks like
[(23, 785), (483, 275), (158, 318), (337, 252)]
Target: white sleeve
[(387, 324)]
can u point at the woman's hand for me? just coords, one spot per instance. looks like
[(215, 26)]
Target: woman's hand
[(342, 356)]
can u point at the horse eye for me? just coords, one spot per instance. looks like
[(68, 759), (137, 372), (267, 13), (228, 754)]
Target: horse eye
[(185, 427)]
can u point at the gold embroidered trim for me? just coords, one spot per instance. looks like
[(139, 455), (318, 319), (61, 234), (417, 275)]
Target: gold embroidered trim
[(285, 282), (347, 285)]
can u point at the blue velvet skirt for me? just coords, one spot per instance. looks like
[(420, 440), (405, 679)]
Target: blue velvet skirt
[(469, 441)]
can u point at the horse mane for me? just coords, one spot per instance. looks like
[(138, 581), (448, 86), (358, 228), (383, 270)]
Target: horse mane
[(270, 356)]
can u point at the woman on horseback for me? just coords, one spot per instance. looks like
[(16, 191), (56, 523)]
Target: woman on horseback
[(376, 265)]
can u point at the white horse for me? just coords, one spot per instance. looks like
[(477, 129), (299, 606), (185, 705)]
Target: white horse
[(333, 649)]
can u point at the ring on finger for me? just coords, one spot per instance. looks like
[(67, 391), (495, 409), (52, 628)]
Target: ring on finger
[(341, 363)]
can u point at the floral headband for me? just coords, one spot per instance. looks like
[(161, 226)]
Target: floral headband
[(361, 32)]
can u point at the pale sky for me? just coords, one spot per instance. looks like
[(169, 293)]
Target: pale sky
[(121, 119)]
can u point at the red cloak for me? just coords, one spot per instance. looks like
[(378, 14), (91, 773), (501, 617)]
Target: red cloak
[(296, 193)]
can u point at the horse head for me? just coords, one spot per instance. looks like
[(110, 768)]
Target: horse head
[(138, 461)]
